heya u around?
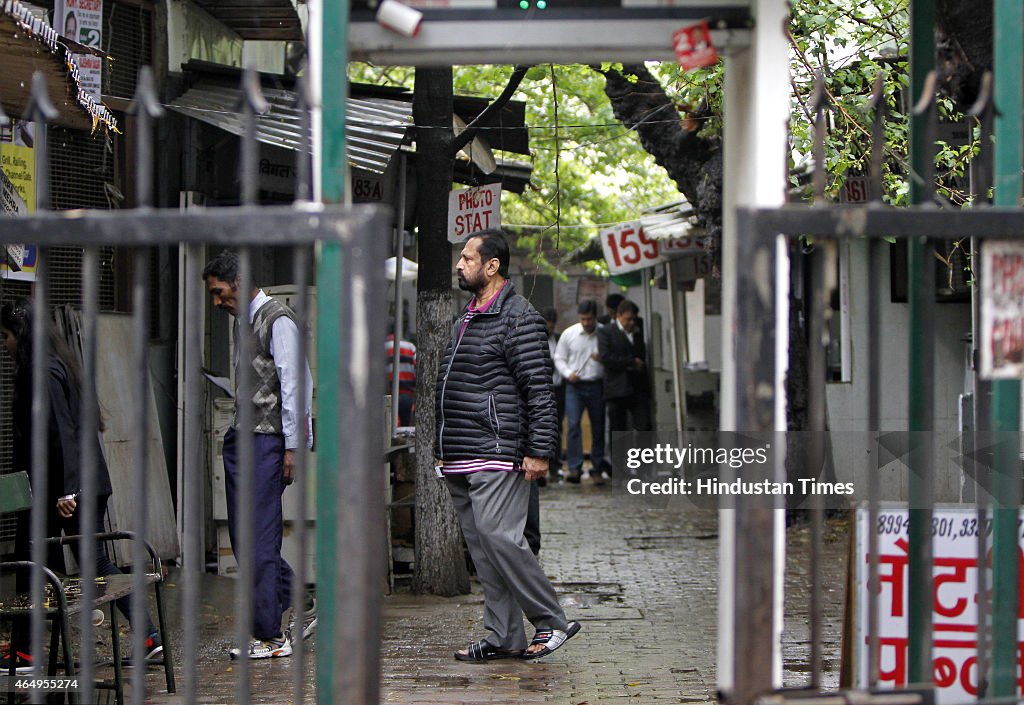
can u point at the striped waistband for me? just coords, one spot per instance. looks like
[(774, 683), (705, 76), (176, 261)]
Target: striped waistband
[(464, 467)]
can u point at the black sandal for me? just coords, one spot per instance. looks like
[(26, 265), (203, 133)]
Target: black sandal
[(552, 639), (481, 651)]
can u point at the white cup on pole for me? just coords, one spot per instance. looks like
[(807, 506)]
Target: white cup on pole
[(399, 17)]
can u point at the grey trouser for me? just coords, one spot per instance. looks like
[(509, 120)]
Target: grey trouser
[(492, 510)]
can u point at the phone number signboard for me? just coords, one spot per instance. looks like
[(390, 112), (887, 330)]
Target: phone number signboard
[(954, 599)]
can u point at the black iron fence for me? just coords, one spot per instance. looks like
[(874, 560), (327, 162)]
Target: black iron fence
[(345, 329), (993, 661)]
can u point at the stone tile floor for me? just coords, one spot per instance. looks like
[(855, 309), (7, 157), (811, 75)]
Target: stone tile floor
[(641, 578)]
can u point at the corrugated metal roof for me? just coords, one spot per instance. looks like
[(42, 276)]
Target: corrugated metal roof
[(27, 45), (671, 221), (375, 127)]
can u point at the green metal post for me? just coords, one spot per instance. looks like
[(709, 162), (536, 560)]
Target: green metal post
[(1008, 53), (1006, 497), (333, 93), (922, 59)]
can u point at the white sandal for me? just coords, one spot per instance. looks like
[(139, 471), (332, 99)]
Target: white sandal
[(551, 639)]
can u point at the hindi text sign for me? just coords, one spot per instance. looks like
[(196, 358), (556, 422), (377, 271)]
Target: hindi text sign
[(954, 599)]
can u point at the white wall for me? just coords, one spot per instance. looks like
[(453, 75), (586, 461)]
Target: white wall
[(847, 403), (192, 33), (266, 57)]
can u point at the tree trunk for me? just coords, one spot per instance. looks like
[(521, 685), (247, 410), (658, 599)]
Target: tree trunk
[(440, 565), (963, 47), (692, 161)]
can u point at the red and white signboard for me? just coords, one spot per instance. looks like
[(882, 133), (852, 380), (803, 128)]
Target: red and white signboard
[(1002, 309), (682, 246), (693, 46), (627, 248), (954, 597), (474, 209)]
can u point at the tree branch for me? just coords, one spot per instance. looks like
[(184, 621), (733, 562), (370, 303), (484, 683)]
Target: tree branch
[(466, 136)]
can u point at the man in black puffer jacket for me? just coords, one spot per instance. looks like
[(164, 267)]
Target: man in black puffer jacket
[(496, 431)]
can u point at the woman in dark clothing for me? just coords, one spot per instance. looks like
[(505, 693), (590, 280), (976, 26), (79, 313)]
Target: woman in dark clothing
[(64, 482)]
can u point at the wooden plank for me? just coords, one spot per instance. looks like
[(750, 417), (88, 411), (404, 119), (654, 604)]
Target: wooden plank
[(107, 589), (118, 393)]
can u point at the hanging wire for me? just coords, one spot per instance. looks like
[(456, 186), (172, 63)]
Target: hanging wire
[(558, 185)]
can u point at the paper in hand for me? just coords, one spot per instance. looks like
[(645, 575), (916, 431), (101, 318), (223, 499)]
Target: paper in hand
[(222, 383)]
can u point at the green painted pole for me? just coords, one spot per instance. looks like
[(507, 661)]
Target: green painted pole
[(1008, 55), (333, 93), (1006, 498), (921, 387)]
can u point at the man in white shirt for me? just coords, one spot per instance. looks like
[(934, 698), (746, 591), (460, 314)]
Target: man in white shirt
[(577, 359), (281, 421)]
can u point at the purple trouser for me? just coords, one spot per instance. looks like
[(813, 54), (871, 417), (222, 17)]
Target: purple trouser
[(272, 576)]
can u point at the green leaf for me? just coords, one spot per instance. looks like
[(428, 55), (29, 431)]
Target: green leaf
[(536, 73)]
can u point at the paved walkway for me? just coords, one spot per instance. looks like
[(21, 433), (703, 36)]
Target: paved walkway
[(641, 579), (643, 582)]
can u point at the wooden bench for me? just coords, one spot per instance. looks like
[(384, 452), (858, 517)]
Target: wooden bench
[(65, 598)]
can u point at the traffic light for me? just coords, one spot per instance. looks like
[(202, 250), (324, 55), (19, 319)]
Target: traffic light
[(553, 5)]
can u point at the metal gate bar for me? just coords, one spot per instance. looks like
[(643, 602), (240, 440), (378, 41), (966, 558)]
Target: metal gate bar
[(874, 400), (1007, 55), (822, 262), (302, 261), (193, 563), (921, 347), (759, 227), (981, 171)]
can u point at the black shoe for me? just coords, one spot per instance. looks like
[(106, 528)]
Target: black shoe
[(574, 477)]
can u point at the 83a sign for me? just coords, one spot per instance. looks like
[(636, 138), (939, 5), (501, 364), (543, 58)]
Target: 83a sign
[(627, 248)]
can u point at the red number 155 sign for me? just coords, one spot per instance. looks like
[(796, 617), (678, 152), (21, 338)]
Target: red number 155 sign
[(627, 248)]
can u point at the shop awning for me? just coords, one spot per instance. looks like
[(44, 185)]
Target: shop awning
[(374, 127), (28, 44), (266, 20), (671, 222)]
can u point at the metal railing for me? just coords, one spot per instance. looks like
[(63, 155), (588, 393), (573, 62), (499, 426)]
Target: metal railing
[(998, 488), (348, 324)]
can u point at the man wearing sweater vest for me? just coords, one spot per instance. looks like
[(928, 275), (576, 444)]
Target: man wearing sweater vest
[(281, 422)]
